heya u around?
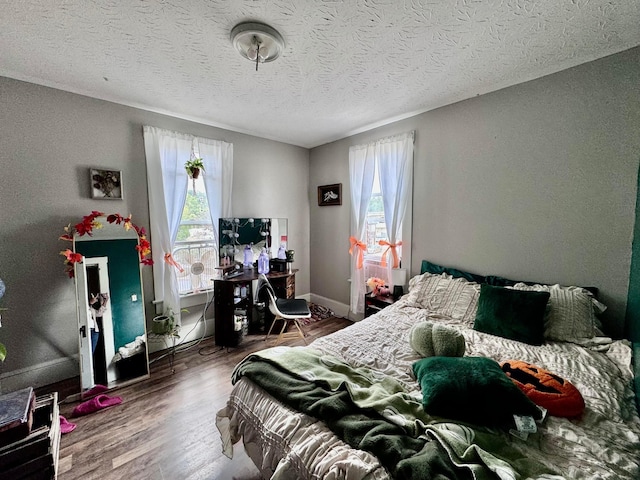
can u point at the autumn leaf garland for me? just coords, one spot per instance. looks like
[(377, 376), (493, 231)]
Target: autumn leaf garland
[(90, 223)]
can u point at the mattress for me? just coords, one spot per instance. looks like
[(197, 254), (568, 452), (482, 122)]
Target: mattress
[(604, 443)]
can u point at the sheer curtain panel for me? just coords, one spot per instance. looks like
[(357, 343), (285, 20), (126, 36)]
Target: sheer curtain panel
[(361, 173), (393, 158), (166, 153), (395, 167), (217, 157)]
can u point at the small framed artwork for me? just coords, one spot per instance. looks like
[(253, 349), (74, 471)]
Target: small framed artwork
[(330, 194), (106, 184)]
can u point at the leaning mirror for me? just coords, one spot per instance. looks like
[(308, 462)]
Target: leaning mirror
[(110, 307)]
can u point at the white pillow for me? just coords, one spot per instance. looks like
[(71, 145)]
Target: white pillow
[(571, 313), (443, 295)]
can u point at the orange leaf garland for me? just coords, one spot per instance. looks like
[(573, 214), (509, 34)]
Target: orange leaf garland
[(90, 223)]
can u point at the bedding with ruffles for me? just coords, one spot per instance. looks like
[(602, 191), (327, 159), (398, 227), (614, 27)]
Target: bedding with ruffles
[(604, 443)]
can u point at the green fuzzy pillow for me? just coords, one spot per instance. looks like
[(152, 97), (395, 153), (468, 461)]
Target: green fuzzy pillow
[(434, 339), (471, 389)]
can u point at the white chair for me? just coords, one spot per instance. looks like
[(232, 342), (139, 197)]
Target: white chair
[(289, 310)]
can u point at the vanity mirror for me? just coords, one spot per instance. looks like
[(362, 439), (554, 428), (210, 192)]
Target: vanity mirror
[(110, 307), (236, 233)]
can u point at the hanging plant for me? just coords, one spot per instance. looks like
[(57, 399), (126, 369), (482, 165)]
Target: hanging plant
[(89, 223), (193, 167)]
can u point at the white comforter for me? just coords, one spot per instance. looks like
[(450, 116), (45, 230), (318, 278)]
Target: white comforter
[(603, 444)]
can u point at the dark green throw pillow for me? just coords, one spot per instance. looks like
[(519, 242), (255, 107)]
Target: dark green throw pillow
[(471, 389), (428, 267), (514, 314)]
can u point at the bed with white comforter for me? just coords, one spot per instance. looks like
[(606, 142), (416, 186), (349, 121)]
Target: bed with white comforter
[(603, 443)]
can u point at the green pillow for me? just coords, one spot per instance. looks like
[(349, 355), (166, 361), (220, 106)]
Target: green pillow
[(514, 314), (428, 267), (433, 339), (471, 389)]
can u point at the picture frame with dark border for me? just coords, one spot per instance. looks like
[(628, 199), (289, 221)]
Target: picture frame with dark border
[(330, 194), (106, 184)]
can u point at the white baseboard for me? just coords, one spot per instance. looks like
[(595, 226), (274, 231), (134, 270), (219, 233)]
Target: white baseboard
[(41, 374)]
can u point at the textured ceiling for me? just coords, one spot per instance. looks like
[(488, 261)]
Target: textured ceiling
[(347, 66)]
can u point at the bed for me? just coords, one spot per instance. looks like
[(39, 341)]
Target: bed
[(353, 404)]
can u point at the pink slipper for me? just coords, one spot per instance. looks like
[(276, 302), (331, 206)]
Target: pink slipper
[(93, 391), (96, 403), (66, 426)]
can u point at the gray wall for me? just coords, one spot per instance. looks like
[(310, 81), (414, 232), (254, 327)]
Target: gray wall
[(533, 182), (49, 140), (536, 182)]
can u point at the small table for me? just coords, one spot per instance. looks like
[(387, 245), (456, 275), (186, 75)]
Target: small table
[(373, 304), (169, 340)]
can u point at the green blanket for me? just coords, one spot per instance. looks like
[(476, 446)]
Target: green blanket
[(367, 388), (283, 372), (373, 412)]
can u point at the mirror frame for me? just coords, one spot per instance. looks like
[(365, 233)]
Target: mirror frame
[(234, 233), (94, 228)]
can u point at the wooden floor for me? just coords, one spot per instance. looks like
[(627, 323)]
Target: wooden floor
[(165, 426)]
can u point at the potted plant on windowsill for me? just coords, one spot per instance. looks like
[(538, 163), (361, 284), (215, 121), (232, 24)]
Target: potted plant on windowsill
[(193, 167)]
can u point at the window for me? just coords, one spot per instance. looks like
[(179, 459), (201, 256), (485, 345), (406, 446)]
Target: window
[(381, 177), (166, 153), (376, 227), (195, 247), (376, 230)]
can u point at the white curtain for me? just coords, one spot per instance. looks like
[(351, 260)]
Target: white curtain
[(393, 157), (217, 157), (361, 174), (166, 153), (395, 170)]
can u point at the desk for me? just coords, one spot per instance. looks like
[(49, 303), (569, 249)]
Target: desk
[(234, 296)]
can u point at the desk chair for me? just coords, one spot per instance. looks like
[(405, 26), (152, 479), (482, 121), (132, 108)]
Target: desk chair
[(289, 310)]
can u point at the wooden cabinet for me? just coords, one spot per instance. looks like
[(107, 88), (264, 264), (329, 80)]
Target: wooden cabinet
[(234, 300), (375, 304)]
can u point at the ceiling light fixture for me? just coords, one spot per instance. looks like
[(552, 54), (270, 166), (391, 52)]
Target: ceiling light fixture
[(257, 42)]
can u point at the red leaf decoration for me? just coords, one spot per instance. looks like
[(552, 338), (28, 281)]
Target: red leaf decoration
[(86, 226)]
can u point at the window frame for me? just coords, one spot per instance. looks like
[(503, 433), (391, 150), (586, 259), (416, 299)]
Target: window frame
[(375, 258), (212, 243)]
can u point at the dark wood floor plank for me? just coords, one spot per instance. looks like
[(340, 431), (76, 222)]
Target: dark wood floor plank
[(165, 426)]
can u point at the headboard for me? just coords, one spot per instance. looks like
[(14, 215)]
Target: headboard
[(494, 280)]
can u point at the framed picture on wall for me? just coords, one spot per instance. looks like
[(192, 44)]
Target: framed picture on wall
[(106, 184), (330, 194)]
